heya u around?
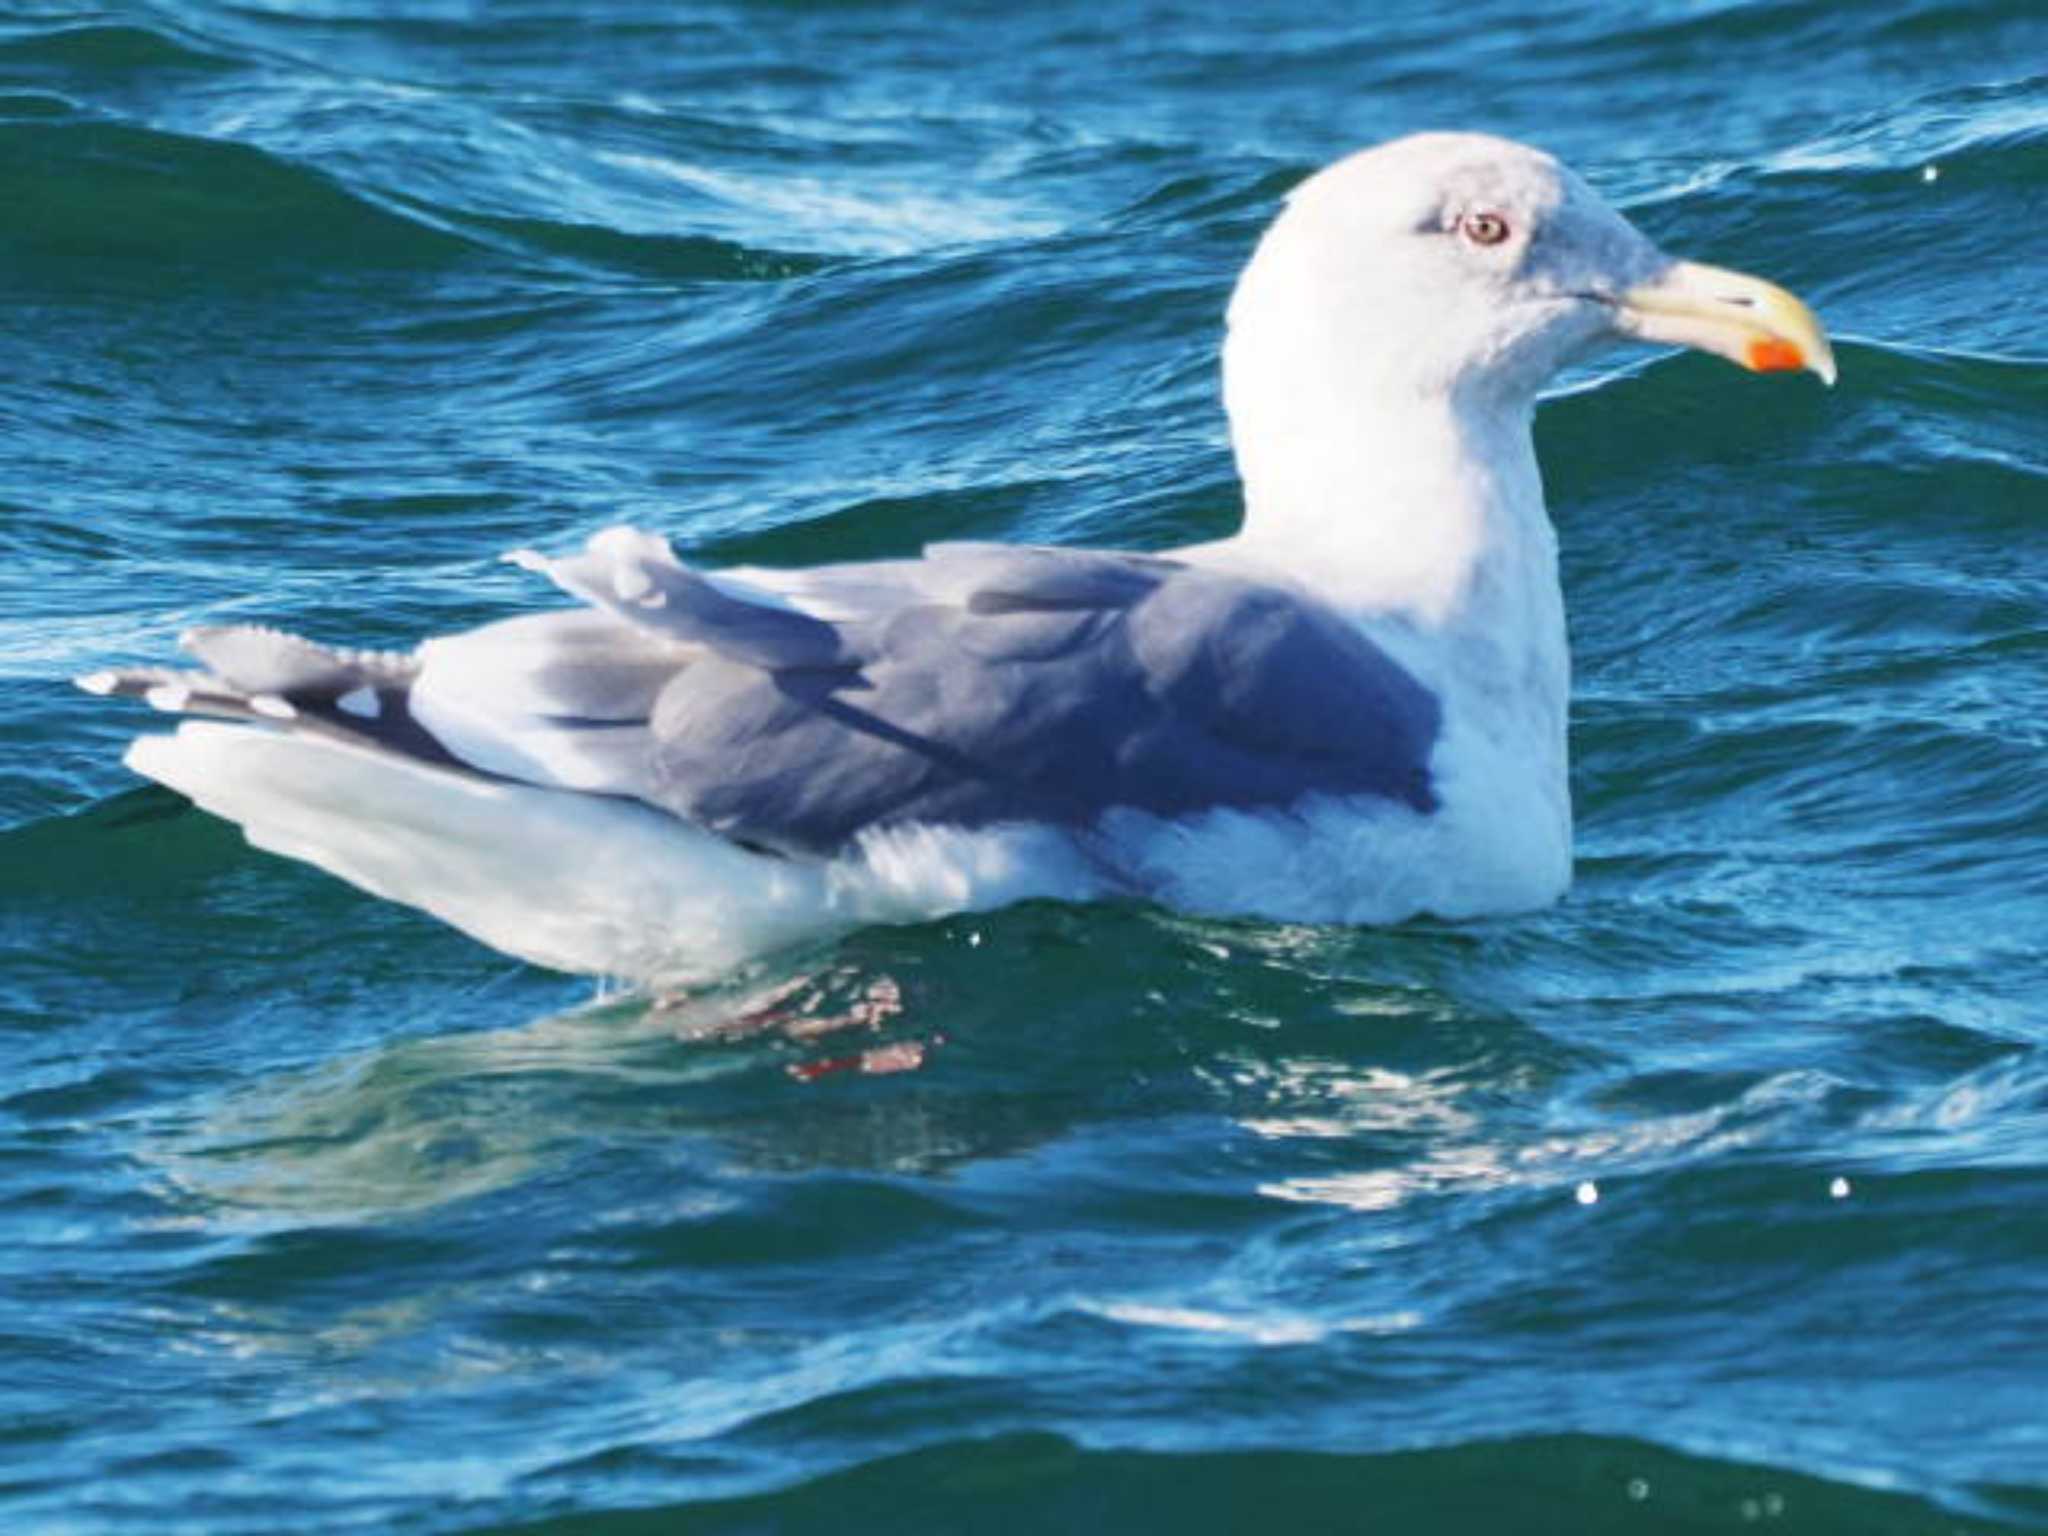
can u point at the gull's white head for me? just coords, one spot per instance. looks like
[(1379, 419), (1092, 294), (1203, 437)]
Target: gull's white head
[(1464, 266)]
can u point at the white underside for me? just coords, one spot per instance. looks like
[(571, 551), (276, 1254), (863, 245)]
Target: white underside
[(608, 886)]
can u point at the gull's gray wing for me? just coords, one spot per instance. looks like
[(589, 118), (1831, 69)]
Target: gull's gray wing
[(1044, 685), (984, 683)]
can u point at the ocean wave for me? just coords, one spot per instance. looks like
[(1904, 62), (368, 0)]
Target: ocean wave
[(1036, 1482), (227, 210), (194, 202), (108, 48), (677, 258)]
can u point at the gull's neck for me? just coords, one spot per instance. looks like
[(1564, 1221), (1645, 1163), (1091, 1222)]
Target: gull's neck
[(1423, 521), (1421, 511)]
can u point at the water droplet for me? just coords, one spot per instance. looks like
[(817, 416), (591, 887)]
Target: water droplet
[(1639, 1488), (1839, 1188), (1930, 173), (1586, 1193)]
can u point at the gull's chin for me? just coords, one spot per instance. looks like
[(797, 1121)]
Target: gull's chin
[(1753, 323)]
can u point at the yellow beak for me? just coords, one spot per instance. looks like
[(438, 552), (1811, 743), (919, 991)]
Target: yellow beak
[(1731, 314)]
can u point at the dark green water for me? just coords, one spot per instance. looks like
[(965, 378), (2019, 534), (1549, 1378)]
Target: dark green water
[(314, 1215)]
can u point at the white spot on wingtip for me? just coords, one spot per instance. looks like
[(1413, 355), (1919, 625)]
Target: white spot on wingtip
[(168, 697), (101, 683), (363, 703), (275, 706)]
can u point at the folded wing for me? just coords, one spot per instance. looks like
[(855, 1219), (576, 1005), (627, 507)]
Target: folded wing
[(981, 684)]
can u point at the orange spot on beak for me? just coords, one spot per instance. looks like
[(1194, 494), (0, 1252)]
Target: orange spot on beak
[(1770, 355)]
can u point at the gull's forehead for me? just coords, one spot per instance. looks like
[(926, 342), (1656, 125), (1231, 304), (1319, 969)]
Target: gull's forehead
[(1414, 177)]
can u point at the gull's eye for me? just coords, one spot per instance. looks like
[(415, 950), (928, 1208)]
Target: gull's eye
[(1483, 228)]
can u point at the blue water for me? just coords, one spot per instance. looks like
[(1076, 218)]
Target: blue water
[(1715, 1198)]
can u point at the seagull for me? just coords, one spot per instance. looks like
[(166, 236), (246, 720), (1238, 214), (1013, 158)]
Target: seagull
[(1351, 711)]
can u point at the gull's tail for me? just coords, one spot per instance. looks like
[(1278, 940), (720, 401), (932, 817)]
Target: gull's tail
[(315, 754), (253, 673)]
